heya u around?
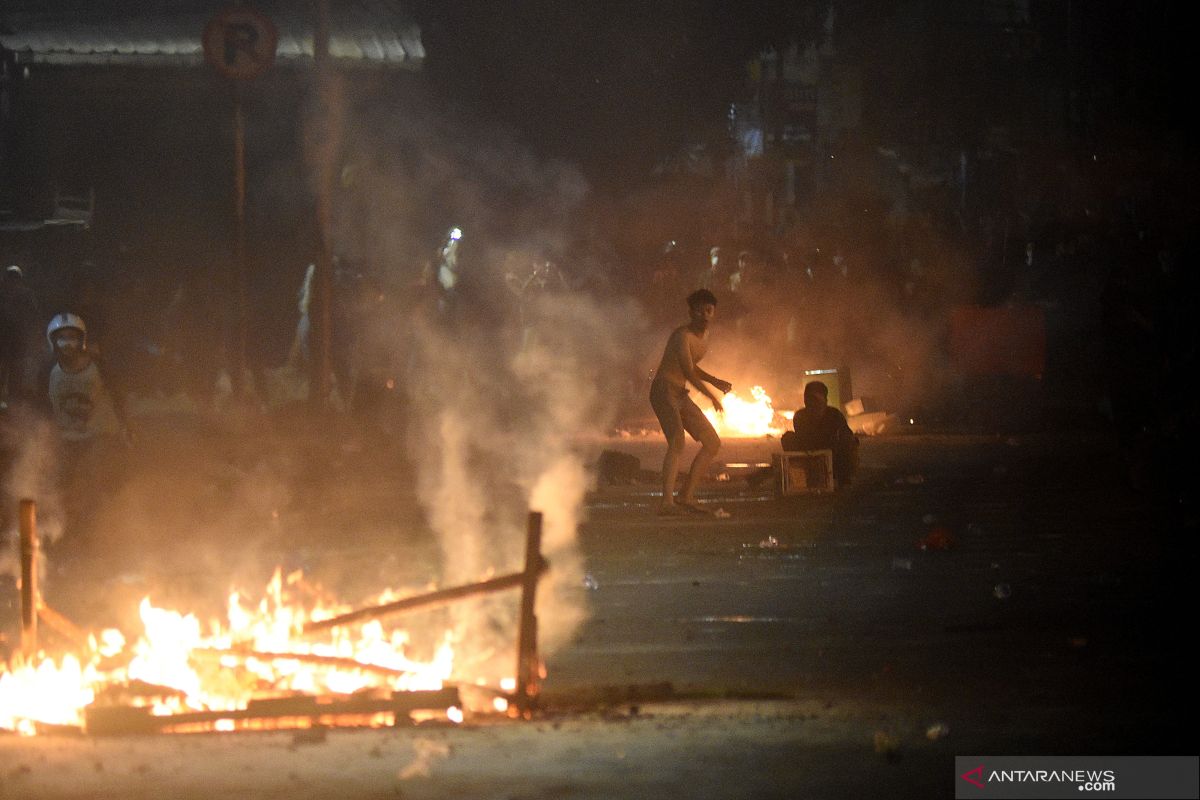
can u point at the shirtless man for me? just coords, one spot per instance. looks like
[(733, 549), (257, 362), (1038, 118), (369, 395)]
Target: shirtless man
[(675, 410)]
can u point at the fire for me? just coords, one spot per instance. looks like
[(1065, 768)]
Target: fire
[(746, 418), (258, 651)]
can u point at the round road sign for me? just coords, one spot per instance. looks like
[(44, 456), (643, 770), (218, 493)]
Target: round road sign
[(240, 42)]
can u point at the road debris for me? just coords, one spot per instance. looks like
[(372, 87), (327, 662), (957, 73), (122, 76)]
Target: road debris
[(936, 731)]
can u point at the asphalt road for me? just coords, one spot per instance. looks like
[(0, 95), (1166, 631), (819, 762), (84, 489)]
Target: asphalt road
[(800, 647)]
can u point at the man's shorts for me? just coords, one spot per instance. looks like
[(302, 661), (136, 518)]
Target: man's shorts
[(677, 412)]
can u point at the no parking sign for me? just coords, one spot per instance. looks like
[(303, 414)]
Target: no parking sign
[(240, 42)]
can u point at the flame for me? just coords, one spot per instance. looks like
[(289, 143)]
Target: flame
[(746, 418), (259, 650)]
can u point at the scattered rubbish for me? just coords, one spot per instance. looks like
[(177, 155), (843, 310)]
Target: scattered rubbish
[(615, 468), (721, 513), (995, 565), (902, 564), (871, 423), (939, 538), (1002, 591), (723, 476), (937, 731), (590, 582), (769, 543)]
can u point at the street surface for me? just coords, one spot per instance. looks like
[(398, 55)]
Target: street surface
[(802, 647)]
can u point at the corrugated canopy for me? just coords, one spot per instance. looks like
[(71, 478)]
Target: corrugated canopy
[(368, 33)]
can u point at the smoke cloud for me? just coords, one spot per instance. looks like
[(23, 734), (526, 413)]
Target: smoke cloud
[(506, 372)]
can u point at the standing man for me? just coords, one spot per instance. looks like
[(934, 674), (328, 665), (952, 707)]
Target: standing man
[(675, 410)]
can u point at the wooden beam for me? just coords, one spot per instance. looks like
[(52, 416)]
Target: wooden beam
[(439, 597), (528, 663), (126, 720), (29, 578)]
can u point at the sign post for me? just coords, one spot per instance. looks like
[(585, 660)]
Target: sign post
[(239, 42)]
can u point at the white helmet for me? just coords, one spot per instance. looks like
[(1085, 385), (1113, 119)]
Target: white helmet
[(65, 320)]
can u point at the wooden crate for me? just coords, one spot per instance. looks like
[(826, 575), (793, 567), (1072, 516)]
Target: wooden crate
[(805, 472)]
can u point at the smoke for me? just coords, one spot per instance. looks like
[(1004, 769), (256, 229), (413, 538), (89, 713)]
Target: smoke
[(496, 425), (30, 443), (503, 374)]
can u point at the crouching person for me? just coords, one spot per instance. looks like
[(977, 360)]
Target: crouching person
[(821, 427)]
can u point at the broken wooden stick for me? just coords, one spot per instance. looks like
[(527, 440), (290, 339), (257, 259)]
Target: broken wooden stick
[(61, 625), (124, 720), (338, 662), (439, 597), (29, 575)]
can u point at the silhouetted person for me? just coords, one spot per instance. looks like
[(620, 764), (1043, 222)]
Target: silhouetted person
[(821, 427), (676, 412)]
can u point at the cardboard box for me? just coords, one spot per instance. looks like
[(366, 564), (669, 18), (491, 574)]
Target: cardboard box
[(805, 472)]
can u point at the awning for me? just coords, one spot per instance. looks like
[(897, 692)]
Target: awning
[(363, 33)]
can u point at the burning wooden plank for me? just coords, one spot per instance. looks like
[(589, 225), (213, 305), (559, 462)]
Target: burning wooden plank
[(129, 720)]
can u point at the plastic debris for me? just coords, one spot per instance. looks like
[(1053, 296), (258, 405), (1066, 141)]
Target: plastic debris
[(769, 543), (723, 476), (590, 582), (937, 731), (721, 513), (1002, 591), (902, 564)]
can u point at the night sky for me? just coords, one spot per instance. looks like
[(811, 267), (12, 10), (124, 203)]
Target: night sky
[(616, 86), (611, 86)]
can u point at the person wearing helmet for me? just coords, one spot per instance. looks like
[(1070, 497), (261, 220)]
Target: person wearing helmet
[(83, 408)]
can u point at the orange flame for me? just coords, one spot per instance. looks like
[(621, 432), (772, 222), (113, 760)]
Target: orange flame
[(222, 669), (746, 418)]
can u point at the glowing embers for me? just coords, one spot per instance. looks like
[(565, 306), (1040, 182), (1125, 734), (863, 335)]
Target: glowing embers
[(257, 669), (746, 418)]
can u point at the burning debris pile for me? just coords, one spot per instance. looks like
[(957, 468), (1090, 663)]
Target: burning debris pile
[(181, 674), (297, 658)]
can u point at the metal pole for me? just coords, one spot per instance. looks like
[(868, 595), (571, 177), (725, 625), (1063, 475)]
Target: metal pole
[(238, 356), (528, 664), (326, 154), (29, 571)]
